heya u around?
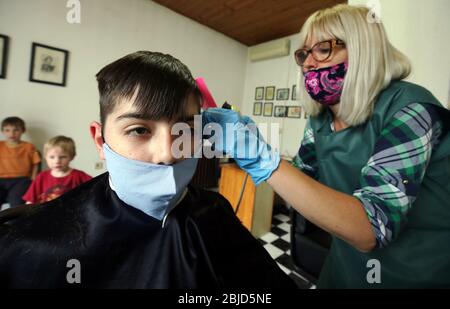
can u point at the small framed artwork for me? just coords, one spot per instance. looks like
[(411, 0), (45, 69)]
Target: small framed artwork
[(270, 93), (283, 94), (259, 93), (48, 65), (268, 109), (294, 92), (280, 111), (4, 44), (257, 108), (294, 111)]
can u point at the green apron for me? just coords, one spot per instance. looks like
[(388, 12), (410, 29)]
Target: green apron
[(420, 256)]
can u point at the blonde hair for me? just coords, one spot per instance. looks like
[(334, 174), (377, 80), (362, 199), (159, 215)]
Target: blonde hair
[(66, 143), (372, 61)]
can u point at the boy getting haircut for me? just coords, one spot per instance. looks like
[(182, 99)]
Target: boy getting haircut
[(141, 224)]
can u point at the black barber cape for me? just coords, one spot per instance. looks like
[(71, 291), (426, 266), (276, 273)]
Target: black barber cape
[(201, 245)]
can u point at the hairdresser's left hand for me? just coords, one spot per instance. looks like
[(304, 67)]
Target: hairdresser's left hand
[(243, 142)]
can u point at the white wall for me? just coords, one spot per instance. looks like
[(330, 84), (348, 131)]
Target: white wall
[(109, 29), (282, 73), (420, 29)]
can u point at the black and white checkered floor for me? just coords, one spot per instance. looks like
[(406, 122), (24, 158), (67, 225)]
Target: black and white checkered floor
[(278, 243)]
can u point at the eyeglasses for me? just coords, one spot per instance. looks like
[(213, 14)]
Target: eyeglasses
[(320, 51)]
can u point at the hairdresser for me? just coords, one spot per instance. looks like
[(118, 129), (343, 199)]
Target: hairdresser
[(373, 168)]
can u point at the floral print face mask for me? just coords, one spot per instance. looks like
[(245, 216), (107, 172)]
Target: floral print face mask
[(325, 85)]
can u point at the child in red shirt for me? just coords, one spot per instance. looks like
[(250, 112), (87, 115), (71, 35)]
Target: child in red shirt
[(60, 178)]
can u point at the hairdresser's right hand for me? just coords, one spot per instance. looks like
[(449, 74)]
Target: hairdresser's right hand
[(242, 141)]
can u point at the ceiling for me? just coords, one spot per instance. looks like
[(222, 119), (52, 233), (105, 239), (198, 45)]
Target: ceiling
[(250, 21)]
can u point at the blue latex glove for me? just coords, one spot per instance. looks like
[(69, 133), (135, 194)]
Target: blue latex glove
[(242, 141)]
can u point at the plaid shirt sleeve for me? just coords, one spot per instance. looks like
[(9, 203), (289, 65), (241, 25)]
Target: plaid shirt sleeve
[(391, 179), (305, 160)]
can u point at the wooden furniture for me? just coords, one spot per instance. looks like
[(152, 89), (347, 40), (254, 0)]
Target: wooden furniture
[(255, 210)]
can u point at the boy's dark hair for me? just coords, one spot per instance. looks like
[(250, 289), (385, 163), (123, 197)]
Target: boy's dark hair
[(15, 122), (163, 84)]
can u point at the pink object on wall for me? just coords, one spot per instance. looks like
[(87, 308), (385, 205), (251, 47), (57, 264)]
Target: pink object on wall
[(208, 100)]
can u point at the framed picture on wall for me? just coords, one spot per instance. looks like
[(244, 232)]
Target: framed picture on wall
[(259, 93), (257, 108), (4, 44), (268, 109), (294, 92), (280, 111), (283, 94), (294, 112), (48, 65), (270, 93)]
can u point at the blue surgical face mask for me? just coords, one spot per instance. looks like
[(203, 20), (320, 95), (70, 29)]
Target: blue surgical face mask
[(152, 188)]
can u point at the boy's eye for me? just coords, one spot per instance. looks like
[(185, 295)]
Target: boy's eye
[(138, 131)]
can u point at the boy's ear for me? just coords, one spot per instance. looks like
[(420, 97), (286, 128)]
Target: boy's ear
[(96, 133)]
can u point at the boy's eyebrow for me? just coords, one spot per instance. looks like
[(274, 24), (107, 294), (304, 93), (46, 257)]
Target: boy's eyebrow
[(132, 115), (140, 116)]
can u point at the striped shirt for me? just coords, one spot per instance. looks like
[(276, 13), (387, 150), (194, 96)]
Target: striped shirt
[(391, 179)]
